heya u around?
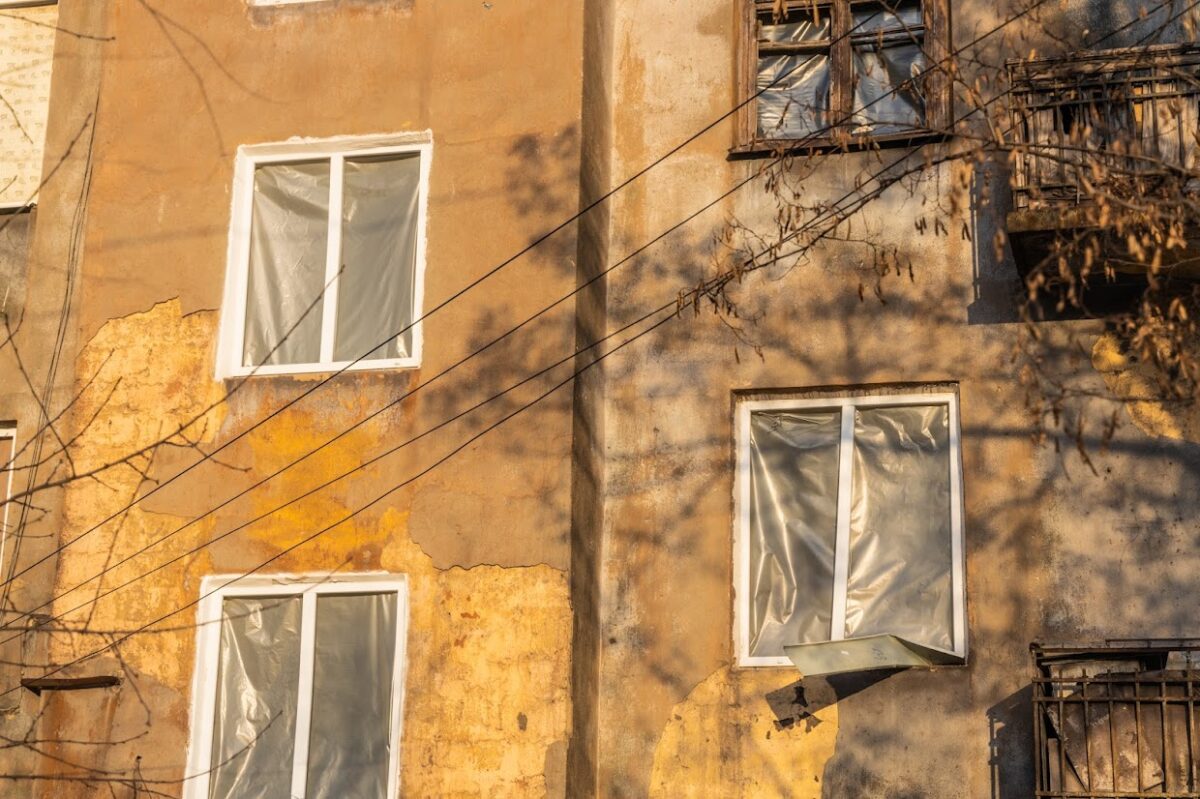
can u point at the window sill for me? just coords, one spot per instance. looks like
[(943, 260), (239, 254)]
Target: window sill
[(869, 653), (317, 369), (763, 148)]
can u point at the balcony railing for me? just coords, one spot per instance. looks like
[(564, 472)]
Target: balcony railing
[(1120, 120), (1118, 720)]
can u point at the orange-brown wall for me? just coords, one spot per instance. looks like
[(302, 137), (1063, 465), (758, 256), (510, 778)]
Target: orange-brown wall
[(484, 539)]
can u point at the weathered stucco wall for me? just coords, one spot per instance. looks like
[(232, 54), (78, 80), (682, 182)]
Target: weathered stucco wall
[(1053, 552), (570, 573), (484, 540), (37, 365)]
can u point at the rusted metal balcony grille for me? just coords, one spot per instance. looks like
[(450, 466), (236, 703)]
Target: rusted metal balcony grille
[(1114, 117), (1117, 721)]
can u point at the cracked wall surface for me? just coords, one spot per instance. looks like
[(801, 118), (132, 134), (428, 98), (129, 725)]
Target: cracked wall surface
[(724, 740), (487, 702), (571, 572), (1048, 544)]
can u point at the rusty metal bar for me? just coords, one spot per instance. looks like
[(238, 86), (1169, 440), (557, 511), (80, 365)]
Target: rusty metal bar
[(1071, 687)]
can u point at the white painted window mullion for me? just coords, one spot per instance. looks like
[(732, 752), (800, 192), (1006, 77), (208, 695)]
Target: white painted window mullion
[(841, 548), (333, 258), (304, 695), (8, 457), (957, 560), (397, 694)]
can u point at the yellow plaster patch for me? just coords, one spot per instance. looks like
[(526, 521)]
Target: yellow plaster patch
[(486, 700), (297, 433), (723, 740), (147, 382), (1131, 381), (488, 664)]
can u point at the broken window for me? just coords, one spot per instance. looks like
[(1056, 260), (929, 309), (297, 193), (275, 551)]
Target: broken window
[(326, 258), (298, 688), (1117, 719), (841, 71), (849, 533)]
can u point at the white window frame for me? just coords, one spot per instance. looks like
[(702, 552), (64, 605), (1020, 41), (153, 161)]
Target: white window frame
[(237, 272), (9, 432), (279, 2), (841, 571), (214, 590)]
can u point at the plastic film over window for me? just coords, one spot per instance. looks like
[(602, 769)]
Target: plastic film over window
[(850, 530)]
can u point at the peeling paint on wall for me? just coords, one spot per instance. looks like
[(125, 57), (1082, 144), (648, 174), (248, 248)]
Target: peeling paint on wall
[(1132, 381), (487, 704), (726, 739)]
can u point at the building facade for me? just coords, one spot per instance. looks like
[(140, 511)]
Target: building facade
[(372, 432)]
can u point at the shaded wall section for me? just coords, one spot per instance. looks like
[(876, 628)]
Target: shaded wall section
[(1049, 545)]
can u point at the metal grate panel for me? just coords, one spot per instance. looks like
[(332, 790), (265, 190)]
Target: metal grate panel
[(1117, 721), (1123, 116)]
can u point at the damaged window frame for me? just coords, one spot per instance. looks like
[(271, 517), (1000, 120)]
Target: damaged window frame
[(214, 590), (846, 404), (840, 133), (336, 150)]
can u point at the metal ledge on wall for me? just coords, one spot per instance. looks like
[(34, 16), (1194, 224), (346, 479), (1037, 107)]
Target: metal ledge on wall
[(39, 684), (866, 654)]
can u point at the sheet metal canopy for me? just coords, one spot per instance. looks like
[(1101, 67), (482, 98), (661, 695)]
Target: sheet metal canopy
[(865, 654)]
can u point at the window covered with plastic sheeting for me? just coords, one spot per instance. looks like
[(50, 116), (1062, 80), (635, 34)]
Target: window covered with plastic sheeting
[(889, 66), (849, 529), (793, 75), (326, 257), (823, 73), (298, 689)]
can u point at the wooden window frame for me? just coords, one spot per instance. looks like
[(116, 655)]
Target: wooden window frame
[(939, 105)]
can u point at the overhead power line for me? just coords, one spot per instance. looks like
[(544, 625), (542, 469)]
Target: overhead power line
[(694, 295), (816, 134), (537, 242), (427, 432)]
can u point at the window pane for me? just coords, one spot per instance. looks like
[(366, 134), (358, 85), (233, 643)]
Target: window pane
[(379, 253), (902, 15), (255, 728), (288, 237), (795, 95), (883, 101), (796, 26), (348, 753), (900, 563), (14, 260), (793, 527)]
